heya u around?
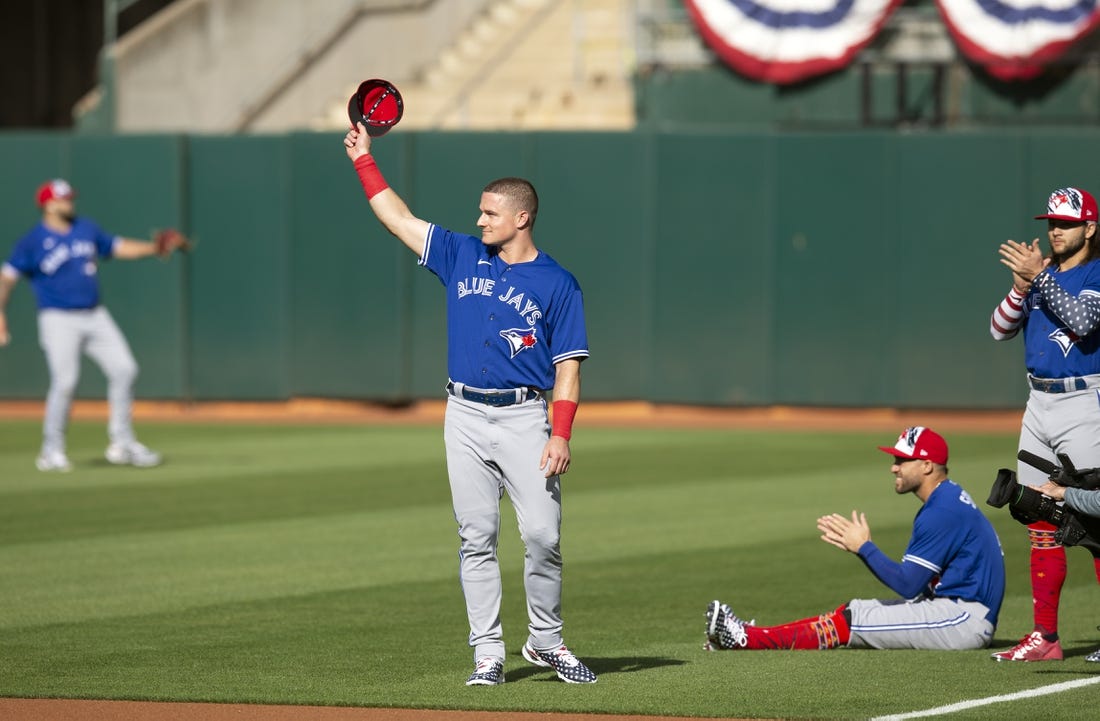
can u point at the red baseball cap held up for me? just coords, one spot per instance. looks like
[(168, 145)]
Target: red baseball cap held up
[(1071, 204), (53, 190), (377, 104), (918, 442)]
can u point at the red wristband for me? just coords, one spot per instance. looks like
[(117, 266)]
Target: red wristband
[(563, 418), (370, 176)]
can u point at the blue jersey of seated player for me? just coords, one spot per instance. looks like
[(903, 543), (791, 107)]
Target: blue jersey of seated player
[(507, 325), (1051, 349), (952, 539), (62, 267)]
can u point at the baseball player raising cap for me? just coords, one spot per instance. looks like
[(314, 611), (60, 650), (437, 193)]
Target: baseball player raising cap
[(1055, 303), (515, 333), (952, 574), (59, 257)]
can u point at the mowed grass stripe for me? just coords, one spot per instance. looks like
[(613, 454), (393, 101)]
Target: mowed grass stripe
[(197, 453), (145, 504), (151, 572)]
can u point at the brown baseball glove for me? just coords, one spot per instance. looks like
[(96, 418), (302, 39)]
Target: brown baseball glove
[(169, 240)]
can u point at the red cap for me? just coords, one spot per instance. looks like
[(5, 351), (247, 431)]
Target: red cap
[(1071, 204), (921, 443), (54, 189), (377, 104)]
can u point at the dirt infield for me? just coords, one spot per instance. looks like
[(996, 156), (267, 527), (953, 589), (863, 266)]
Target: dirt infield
[(595, 414), (303, 410)]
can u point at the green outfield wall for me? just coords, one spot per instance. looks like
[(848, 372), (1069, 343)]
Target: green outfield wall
[(749, 268)]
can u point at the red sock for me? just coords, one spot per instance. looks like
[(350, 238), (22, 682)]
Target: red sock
[(1048, 573), (818, 632), (1096, 567)]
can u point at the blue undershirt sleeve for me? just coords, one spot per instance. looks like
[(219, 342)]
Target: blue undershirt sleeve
[(908, 580)]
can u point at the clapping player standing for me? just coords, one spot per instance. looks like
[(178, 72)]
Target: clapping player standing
[(1055, 301), (515, 332)]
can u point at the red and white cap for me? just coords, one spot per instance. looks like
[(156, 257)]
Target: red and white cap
[(1071, 204), (918, 442), (53, 190)]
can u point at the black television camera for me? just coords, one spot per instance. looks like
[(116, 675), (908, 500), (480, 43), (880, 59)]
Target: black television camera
[(1027, 505)]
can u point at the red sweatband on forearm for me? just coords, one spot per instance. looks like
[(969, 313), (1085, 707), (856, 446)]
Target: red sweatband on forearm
[(563, 418), (370, 176)]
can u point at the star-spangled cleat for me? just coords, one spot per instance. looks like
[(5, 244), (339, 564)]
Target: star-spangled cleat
[(488, 671), (724, 630), (568, 667)]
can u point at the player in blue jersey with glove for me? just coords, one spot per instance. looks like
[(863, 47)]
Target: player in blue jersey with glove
[(1055, 301), (515, 334), (59, 257), (950, 582)]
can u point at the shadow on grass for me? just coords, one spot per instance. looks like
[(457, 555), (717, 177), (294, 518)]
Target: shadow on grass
[(1081, 650), (598, 665)]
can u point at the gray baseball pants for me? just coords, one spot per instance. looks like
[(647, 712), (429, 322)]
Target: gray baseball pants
[(1066, 422), (64, 335), (489, 451), (937, 624)]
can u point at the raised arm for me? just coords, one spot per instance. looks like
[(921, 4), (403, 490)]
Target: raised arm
[(386, 204), (1025, 261)]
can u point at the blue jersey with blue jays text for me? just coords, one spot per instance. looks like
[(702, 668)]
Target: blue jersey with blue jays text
[(954, 540), (507, 325), (61, 267), (1051, 350)]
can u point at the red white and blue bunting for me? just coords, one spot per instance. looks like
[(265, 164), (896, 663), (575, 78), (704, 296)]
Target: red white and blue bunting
[(786, 41), (1015, 40)]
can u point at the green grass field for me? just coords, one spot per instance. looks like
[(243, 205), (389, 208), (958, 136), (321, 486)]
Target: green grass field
[(318, 565)]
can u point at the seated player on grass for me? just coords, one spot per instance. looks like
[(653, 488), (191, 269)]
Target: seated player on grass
[(950, 582)]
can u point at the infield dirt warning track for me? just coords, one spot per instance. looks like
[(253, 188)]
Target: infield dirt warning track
[(603, 414)]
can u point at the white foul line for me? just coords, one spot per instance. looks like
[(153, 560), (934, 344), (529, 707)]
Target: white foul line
[(964, 705)]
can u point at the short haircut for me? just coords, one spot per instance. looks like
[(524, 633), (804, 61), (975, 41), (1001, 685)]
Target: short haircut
[(520, 193)]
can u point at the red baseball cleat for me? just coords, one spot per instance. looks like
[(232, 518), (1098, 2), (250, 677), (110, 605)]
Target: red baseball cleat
[(1033, 647)]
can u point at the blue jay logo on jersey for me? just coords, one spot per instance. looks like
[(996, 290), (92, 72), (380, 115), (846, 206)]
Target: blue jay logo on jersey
[(519, 339), (1065, 339)]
